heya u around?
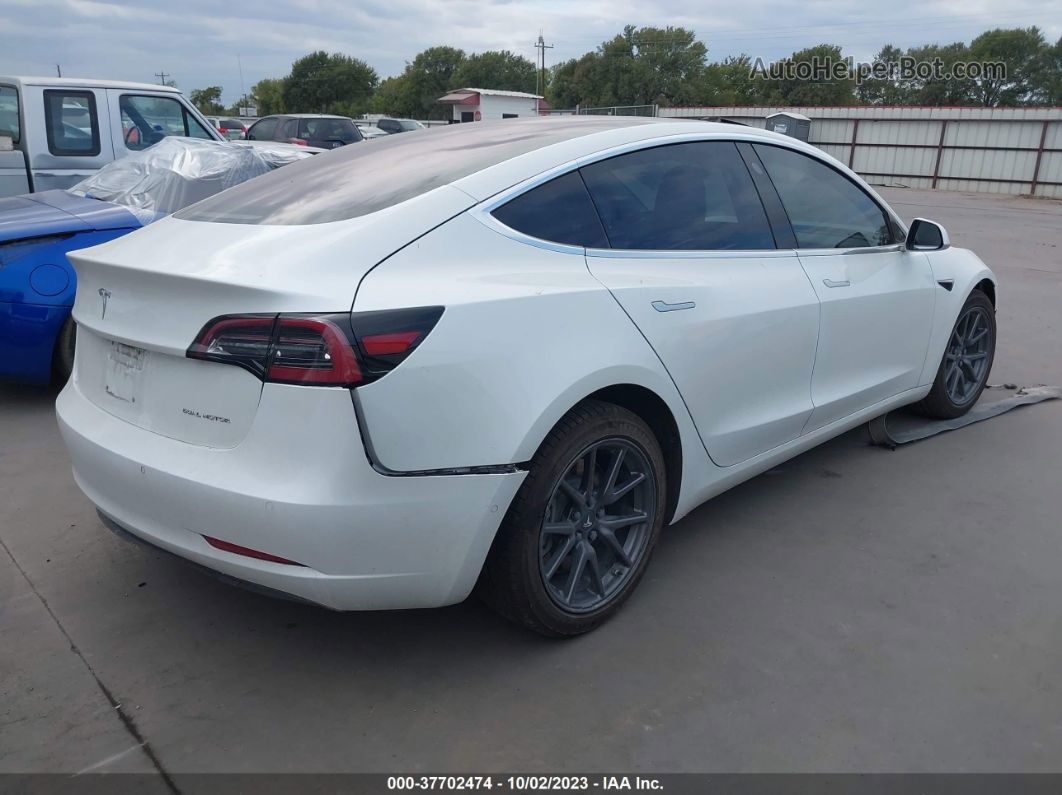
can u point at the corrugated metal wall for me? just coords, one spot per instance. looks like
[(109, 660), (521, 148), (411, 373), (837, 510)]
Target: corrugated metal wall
[(990, 150)]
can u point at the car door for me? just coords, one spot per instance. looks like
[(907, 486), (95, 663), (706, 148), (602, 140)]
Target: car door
[(694, 263), (877, 298), (75, 147), (263, 129)]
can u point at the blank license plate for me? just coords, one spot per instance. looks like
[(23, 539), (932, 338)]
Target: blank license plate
[(124, 365)]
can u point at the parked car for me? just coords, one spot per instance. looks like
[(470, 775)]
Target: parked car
[(392, 126), (507, 355), (37, 283), (306, 129), (232, 129), (370, 130), (54, 131)]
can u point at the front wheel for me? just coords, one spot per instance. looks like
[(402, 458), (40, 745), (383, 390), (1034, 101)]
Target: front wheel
[(578, 536), (967, 361)]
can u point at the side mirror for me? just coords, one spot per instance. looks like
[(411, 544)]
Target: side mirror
[(926, 235)]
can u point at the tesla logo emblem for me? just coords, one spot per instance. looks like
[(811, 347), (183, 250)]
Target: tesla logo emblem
[(104, 295)]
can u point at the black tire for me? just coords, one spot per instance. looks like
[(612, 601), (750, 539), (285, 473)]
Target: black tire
[(514, 581), (943, 402), (63, 356)]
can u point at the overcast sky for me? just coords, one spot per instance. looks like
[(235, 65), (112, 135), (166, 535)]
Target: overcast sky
[(197, 41)]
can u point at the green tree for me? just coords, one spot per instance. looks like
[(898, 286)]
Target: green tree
[(731, 82), (1021, 51), (430, 75), (826, 88), (208, 100), (268, 96), (1047, 82), (392, 98), (498, 69), (640, 66), (947, 89), (885, 90), (323, 83)]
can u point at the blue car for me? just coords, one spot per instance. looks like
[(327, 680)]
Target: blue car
[(37, 283)]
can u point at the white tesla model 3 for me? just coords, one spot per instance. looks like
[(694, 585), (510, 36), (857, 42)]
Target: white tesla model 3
[(503, 353)]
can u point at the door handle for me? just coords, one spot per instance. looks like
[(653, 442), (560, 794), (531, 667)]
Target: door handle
[(664, 306), (832, 283)]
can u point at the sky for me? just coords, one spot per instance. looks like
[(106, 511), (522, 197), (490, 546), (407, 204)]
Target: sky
[(201, 43)]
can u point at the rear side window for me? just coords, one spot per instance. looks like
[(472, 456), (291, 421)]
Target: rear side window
[(826, 209), (559, 210), (262, 130), (73, 128), (9, 122), (692, 196)]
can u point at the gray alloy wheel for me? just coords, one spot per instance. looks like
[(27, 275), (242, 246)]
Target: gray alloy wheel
[(967, 356), (578, 536), (597, 525), (967, 361)]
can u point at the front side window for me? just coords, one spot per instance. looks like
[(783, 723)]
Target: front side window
[(146, 120), (9, 121), (263, 130), (73, 128), (559, 210), (826, 209), (691, 196)]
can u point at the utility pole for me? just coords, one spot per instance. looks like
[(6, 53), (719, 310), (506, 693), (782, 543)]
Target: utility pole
[(162, 77), (242, 92), (541, 46), (58, 70)]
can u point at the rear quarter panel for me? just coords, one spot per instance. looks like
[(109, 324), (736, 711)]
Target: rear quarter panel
[(527, 333)]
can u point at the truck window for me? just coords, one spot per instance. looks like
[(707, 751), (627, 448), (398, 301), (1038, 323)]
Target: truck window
[(9, 113), (73, 128), (146, 120)]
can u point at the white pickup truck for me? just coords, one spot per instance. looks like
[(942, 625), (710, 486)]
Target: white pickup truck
[(56, 131)]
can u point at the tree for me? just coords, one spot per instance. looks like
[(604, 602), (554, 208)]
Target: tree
[(268, 96), (1021, 52), (947, 89), (640, 66), (325, 83), (884, 90), (1047, 82), (498, 69), (392, 98), (731, 82), (208, 100), (430, 75), (826, 88)]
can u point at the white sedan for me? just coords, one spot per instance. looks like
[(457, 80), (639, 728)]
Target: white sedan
[(504, 353)]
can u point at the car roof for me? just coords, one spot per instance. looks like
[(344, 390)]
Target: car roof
[(80, 82), (305, 116)]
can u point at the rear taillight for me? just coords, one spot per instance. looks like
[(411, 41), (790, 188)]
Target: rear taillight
[(299, 141), (316, 350)]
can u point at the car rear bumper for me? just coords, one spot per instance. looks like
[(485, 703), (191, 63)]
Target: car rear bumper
[(299, 487)]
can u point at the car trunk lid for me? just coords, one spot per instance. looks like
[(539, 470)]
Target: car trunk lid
[(144, 298)]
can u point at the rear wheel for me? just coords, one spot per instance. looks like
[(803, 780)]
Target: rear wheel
[(63, 357), (967, 361), (580, 531)]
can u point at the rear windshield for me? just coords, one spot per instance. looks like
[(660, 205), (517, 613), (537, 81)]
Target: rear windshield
[(357, 180), (329, 130)]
